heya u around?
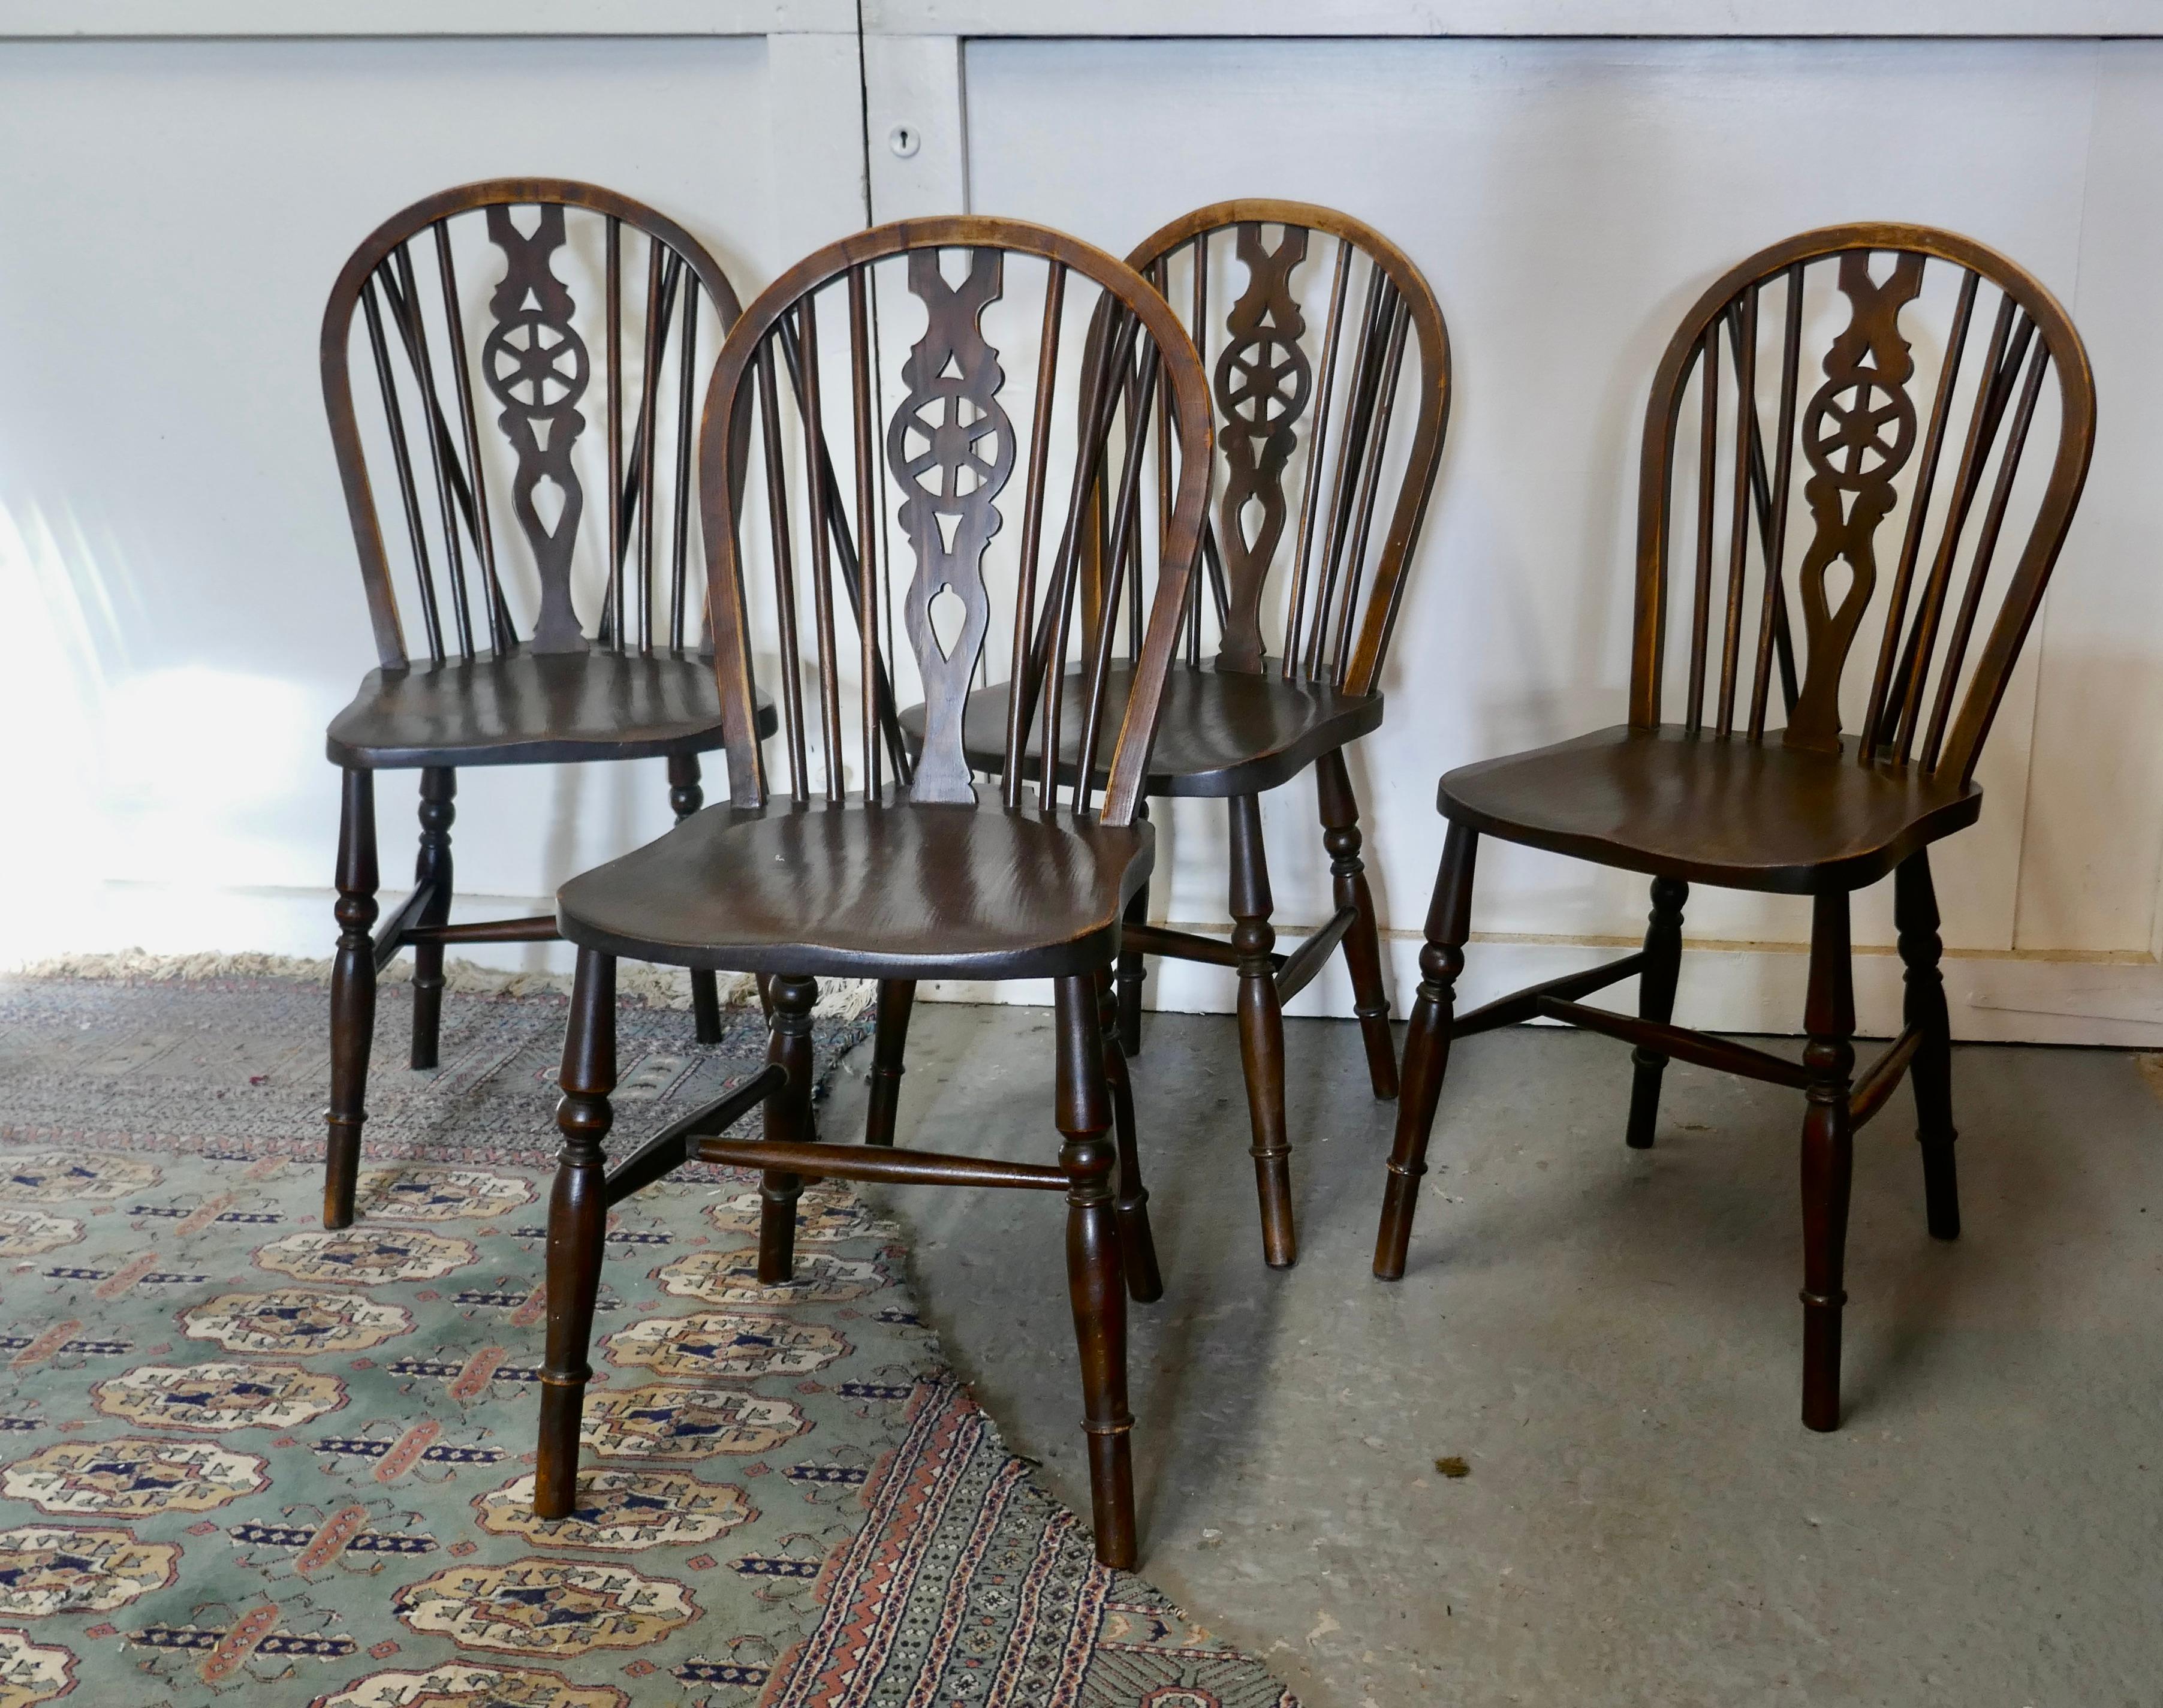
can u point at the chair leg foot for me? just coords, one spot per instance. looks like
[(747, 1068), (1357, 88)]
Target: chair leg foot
[(341, 1175), (578, 1223), (777, 1196), (556, 1469), (1940, 1189), (428, 1007), (1644, 1099), (1821, 1364), (1111, 1497), (1363, 943), (352, 997), (1144, 1283), (1095, 1279), (788, 1119), (897, 1001), (1655, 1001), (1427, 1048)]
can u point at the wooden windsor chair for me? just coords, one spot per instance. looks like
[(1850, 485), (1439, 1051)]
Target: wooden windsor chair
[(484, 694), (880, 865), (1835, 800), (1243, 722)]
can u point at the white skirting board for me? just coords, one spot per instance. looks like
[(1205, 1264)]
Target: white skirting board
[(1730, 987), (1744, 987)]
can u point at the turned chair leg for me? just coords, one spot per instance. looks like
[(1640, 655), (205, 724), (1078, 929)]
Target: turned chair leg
[(1915, 915), (1363, 943), (685, 798), (439, 788), (1655, 1001), (578, 1224), (353, 996), (1096, 1283), (897, 1001), (788, 1119), (1143, 1281), (1132, 970), (1261, 1032), (1427, 1047), (1828, 1156)]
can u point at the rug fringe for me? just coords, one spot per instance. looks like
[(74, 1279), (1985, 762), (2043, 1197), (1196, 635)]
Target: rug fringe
[(657, 987)]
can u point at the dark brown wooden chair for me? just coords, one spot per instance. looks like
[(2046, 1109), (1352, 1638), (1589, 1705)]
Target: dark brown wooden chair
[(484, 693), (1243, 722), (871, 863), (1857, 785)]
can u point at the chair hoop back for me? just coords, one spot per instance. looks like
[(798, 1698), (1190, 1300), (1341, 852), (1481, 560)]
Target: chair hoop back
[(529, 364), (932, 468), (1268, 399), (1871, 455)]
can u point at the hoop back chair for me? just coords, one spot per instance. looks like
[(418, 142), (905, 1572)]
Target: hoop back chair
[(1243, 720), (459, 680), (851, 857), (1928, 478)]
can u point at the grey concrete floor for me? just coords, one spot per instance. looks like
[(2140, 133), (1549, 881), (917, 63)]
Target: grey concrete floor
[(1610, 1339)]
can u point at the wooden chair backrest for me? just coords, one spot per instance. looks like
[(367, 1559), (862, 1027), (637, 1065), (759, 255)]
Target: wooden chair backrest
[(438, 367), (949, 447), (1875, 452), (1344, 582)]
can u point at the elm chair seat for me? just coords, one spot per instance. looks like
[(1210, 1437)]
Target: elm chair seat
[(1224, 732), (534, 708), (867, 891), (1708, 809)]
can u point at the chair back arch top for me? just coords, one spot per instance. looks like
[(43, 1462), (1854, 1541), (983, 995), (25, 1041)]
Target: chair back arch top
[(459, 385), (954, 442), (1346, 581), (1926, 477)]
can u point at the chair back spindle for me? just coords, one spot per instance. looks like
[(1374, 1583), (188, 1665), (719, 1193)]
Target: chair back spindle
[(1915, 413), (530, 367), (940, 464)]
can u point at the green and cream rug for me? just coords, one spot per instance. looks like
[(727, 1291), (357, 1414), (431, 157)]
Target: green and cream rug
[(245, 1460)]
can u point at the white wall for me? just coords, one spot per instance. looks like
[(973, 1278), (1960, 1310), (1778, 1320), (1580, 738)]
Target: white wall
[(171, 527)]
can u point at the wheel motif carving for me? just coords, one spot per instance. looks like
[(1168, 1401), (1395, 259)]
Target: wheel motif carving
[(1263, 384), (1861, 426), (950, 448), (1858, 432), (536, 366)]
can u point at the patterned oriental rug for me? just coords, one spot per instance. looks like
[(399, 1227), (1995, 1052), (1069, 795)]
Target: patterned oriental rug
[(244, 1460)]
